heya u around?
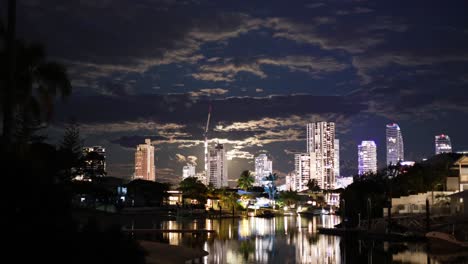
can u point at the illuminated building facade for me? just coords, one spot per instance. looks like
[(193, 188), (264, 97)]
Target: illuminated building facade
[(321, 142), (217, 167), (304, 170), (263, 168), (290, 182), (188, 171), (144, 162), (94, 164), (367, 157), (443, 144), (337, 158), (201, 176), (395, 147)]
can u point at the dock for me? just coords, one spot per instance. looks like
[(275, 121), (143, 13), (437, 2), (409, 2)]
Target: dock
[(372, 235), (182, 231)]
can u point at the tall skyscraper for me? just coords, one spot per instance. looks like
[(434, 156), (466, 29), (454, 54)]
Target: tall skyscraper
[(367, 157), (442, 144), (217, 167), (188, 171), (263, 168), (321, 142), (144, 162), (395, 147), (304, 170), (337, 158)]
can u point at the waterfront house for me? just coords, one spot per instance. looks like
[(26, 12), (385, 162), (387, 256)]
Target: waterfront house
[(458, 203), (462, 165)]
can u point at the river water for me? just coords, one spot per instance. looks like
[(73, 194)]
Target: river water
[(290, 239)]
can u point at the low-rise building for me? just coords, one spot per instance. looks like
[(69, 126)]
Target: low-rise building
[(416, 203), (458, 203), (462, 166)]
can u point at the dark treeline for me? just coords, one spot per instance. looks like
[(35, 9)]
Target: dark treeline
[(36, 176)]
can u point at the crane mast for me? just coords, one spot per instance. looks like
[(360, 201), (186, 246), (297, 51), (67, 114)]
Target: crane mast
[(206, 140)]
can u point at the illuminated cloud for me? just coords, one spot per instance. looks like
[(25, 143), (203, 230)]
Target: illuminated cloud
[(228, 70), (208, 92), (192, 160), (132, 126), (186, 159), (180, 158), (238, 154)]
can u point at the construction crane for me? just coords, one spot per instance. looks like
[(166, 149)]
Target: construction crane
[(206, 139)]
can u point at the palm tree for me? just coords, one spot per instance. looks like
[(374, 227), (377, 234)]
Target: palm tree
[(29, 83), (245, 180), (229, 199), (270, 187)]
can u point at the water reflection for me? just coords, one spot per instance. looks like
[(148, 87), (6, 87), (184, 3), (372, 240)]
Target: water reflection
[(287, 239)]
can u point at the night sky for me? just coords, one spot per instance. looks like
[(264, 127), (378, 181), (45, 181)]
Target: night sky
[(149, 69)]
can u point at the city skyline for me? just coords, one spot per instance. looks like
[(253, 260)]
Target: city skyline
[(267, 71)]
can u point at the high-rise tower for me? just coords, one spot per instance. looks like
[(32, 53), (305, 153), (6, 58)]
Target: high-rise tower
[(263, 168), (395, 147), (217, 167), (367, 157), (443, 144), (144, 162), (337, 158), (321, 142)]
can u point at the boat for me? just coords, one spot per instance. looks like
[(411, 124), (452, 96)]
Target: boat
[(440, 241), (266, 214)]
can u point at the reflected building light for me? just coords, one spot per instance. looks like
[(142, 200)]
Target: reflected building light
[(244, 230), (205, 247), (285, 225), (314, 224)]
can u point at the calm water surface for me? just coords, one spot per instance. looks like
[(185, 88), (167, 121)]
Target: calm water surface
[(290, 239)]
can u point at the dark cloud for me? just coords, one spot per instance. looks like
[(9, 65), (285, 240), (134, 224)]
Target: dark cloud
[(184, 109)]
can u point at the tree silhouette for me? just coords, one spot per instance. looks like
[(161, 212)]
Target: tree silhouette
[(192, 188), (71, 151), (229, 199), (313, 185), (29, 84), (245, 180)]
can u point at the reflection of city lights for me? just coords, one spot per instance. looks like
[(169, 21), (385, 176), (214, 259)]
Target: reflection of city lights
[(244, 230), (314, 224), (285, 225), (205, 247)]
